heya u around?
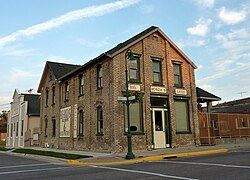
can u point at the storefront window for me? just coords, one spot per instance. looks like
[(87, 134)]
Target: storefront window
[(182, 117)]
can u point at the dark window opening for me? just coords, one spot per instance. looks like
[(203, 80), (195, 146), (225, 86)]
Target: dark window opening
[(99, 120), (177, 75)]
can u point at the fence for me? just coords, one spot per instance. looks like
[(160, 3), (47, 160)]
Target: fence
[(223, 125)]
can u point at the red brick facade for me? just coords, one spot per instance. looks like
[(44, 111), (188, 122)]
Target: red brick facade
[(153, 44)]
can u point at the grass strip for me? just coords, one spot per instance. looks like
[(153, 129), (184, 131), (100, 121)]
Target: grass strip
[(4, 149), (50, 153)]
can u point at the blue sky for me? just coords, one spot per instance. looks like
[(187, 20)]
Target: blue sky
[(215, 34)]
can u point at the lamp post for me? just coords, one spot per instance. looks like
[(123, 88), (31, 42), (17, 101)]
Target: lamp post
[(130, 155)]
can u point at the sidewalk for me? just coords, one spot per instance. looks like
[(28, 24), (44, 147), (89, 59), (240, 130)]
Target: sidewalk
[(141, 156)]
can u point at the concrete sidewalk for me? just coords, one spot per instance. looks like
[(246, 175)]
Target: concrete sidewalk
[(141, 156)]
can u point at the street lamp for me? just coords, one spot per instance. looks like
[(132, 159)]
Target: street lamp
[(130, 155)]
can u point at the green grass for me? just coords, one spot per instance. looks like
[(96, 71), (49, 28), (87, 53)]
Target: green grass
[(2, 143), (51, 154), (3, 149)]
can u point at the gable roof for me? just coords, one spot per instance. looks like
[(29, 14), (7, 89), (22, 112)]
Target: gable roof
[(33, 104), (126, 44), (204, 96), (58, 69)]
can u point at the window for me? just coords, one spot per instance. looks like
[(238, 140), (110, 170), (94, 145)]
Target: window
[(17, 129), (134, 69), (54, 127), (135, 115), (81, 85), (47, 97), (66, 91), (81, 123), (45, 127), (99, 77), (99, 120), (22, 129), (157, 78), (243, 123), (53, 95), (182, 116), (177, 75), (11, 131)]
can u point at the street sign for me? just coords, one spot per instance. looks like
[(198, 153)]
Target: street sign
[(122, 98), (131, 98)]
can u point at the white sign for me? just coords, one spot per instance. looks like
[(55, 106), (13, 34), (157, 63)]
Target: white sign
[(134, 87), (75, 122), (122, 98), (157, 89), (65, 116), (35, 137), (181, 91)]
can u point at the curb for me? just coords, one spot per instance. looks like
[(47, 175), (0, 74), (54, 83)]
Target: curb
[(151, 158)]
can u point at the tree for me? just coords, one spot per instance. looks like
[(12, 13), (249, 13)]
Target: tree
[(3, 121)]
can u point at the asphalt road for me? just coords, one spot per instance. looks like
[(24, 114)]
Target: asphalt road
[(232, 165)]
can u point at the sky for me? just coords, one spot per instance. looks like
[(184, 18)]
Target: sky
[(215, 34)]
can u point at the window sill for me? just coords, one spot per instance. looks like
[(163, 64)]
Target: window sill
[(46, 106), (100, 88), (135, 81), (99, 134), (134, 133), (184, 132), (80, 95), (158, 84), (179, 86), (80, 136), (53, 104)]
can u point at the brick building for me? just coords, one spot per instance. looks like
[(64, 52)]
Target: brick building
[(86, 114)]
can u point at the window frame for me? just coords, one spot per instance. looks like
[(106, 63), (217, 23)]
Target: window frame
[(66, 93), (158, 60), (22, 127), (99, 120), (138, 72), (179, 64), (53, 95), (46, 97), (80, 123), (99, 76), (81, 84), (141, 120), (188, 131), (53, 127), (46, 127)]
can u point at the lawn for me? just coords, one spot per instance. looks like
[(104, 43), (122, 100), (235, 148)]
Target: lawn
[(50, 153), (3, 149)]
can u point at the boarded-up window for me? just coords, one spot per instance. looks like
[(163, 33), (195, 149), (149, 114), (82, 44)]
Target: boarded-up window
[(182, 116)]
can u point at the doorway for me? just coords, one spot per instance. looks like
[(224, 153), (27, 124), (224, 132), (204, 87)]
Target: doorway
[(159, 116)]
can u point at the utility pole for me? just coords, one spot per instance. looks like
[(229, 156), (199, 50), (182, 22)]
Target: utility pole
[(241, 93)]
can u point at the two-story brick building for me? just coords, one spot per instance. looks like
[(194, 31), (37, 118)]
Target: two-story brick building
[(162, 78)]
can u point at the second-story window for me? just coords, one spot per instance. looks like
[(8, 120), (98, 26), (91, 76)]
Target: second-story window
[(177, 75), (53, 95), (157, 74), (46, 97), (66, 91), (134, 69), (81, 85), (99, 77)]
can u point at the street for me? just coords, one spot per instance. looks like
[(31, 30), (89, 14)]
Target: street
[(231, 165)]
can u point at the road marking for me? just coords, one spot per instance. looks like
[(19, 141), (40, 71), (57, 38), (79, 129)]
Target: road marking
[(34, 170), (205, 164), (143, 172), (27, 165)]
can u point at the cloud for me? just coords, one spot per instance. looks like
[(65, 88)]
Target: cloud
[(232, 17), (146, 8), (201, 28), (205, 3), (192, 43), (94, 44), (58, 59), (88, 12), (17, 51), (19, 74)]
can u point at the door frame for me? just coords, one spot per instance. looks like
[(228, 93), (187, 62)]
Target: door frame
[(166, 126)]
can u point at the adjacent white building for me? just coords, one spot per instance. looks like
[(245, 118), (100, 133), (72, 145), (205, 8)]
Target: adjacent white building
[(23, 124)]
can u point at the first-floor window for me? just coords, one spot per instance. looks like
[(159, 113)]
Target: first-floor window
[(99, 120), (135, 114), (22, 129), (17, 129), (45, 127), (182, 116), (53, 127), (81, 123), (11, 130)]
